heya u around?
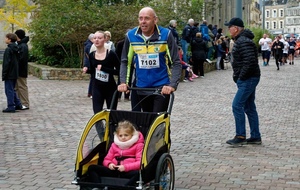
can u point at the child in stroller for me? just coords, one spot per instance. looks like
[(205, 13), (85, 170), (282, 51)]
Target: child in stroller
[(124, 156)]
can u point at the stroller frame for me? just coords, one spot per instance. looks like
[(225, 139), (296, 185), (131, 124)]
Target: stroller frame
[(157, 167)]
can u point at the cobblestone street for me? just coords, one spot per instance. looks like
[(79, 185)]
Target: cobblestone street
[(38, 146)]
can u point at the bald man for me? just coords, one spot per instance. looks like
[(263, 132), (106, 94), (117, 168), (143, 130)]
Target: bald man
[(152, 49)]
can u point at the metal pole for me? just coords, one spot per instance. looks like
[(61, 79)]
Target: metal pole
[(263, 15), (238, 10)]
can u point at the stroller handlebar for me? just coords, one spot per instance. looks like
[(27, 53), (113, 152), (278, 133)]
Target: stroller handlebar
[(156, 91)]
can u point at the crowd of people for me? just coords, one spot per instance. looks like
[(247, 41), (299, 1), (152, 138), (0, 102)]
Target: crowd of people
[(282, 49)]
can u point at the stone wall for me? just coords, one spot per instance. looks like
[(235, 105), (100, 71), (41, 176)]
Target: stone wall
[(50, 73)]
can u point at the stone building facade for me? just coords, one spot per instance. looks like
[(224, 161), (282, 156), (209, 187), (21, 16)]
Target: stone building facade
[(251, 13), (282, 16), (292, 17)]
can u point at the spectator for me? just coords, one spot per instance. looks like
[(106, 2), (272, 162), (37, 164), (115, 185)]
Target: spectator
[(199, 50), (215, 30), (109, 44), (246, 75), (172, 27), (195, 30), (21, 85), (155, 75), (204, 31), (210, 55), (186, 38), (224, 47), (87, 46), (189, 74), (10, 73), (219, 33), (220, 53)]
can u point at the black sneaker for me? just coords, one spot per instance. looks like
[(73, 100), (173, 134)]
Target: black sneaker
[(237, 140), (21, 107), (7, 110), (253, 140)]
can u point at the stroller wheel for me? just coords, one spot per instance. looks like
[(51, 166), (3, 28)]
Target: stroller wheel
[(165, 173)]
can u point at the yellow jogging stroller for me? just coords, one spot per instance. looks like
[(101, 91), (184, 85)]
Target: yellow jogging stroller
[(157, 167)]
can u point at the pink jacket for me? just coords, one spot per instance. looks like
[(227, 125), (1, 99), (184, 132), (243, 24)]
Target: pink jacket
[(135, 151)]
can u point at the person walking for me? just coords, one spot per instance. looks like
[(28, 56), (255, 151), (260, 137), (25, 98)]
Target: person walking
[(21, 85), (153, 47), (246, 75)]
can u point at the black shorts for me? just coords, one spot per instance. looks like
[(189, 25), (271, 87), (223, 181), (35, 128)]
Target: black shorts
[(291, 52), (265, 54)]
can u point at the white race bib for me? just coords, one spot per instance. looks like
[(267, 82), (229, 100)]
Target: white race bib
[(148, 61), (101, 75), (292, 47)]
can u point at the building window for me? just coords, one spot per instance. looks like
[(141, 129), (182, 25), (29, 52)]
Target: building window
[(267, 14), (281, 24), (274, 25), (267, 25), (281, 13), (274, 13)]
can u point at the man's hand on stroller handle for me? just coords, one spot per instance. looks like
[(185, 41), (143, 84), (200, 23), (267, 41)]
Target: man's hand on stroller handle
[(165, 89)]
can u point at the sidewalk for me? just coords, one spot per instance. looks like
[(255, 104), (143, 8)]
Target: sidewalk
[(38, 146)]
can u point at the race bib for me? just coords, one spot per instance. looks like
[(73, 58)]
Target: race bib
[(101, 75), (148, 61), (292, 47)]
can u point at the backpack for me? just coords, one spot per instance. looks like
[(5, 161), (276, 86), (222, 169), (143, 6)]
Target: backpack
[(204, 31)]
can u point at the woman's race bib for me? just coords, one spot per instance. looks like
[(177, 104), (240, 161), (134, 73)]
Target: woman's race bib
[(101, 75)]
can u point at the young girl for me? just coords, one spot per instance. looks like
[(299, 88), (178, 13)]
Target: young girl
[(220, 53), (187, 67), (124, 156), (104, 64)]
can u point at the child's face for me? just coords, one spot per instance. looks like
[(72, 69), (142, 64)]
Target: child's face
[(7, 40), (123, 135)]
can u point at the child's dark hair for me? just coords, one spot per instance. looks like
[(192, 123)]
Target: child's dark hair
[(126, 125), (12, 37)]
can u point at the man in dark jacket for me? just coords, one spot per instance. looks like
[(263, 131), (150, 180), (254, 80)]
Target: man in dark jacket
[(10, 73), (172, 27), (186, 38), (199, 49), (87, 46), (246, 74), (21, 85)]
